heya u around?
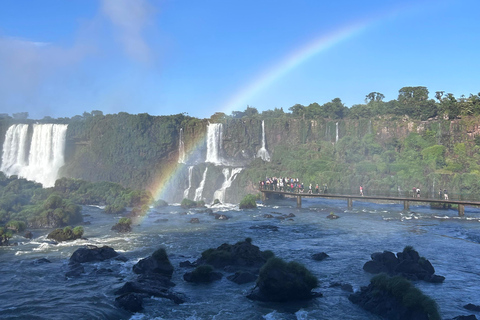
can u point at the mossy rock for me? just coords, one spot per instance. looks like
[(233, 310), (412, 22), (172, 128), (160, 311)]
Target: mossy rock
[(248, 202), (66, 234)]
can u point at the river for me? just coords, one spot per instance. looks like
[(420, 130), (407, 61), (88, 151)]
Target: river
[(31, 290)]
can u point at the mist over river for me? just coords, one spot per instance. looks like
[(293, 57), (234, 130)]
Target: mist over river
[(32, 290)]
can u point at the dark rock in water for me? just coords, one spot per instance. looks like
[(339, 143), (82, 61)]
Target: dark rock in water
[(221, 217), (92, 254), (319, 256), (203, 274), (265, 227), (280, 281), (132, 302), (469, 317), (291, 215), (242, 254), (28, 235), (472, 307), (65, 234), (267, 215), (241, 277), (161, 220), (187, 264), (75, 270), (408, 264), (194, 220), (41, 261), (121, 257), (158, 262), (152, 285), (86, 223), (332, 216), (102, 271)]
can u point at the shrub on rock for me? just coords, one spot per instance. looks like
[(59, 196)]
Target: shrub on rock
[(66, 234), (248, 202), (203, 273), (395, 298), (123, 225), (281, 281)]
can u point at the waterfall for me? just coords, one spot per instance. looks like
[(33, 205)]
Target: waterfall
[(263, 153), (181, 148), (190, 173), (229, 177), (45, 157), (336, 131), (199, 190), (214, 140)]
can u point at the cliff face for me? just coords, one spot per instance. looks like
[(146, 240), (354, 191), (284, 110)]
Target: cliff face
[(142, 151)]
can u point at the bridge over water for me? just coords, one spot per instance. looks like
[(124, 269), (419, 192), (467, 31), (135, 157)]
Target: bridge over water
[(406, 200)]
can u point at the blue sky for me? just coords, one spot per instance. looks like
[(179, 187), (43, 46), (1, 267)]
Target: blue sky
[(162, 57)]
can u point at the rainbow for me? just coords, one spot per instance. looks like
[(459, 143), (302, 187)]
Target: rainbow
[(269, 76)]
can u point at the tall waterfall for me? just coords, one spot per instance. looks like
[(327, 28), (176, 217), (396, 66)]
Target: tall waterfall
[(45, 155), (229, 177), (181, 148), (263, 153), (187, 191), (199, 190), (214, 143), (336, 131)]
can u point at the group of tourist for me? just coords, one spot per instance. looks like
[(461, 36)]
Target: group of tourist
[(442, 194), (290, 185)]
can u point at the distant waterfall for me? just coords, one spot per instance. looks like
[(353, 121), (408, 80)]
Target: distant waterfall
[(214, 143), (199, 190), (181, 148), (229, 177), (336, 131), (45, 156), (263, 153), (187, 191)]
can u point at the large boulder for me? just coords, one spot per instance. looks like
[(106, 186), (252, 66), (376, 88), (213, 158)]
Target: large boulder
[(92, 253), (407, 263), (151, 285), (132, 302), (280, 281), (158, 262), (242, 255)]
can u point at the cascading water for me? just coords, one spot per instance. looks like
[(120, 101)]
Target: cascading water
[(336, 131), (230, 175), (214, 140), (187, 191), (199, 190), (263, 153), (181, 148), (45, 157)]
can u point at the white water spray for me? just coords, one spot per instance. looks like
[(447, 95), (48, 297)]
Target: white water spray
[(229, 177), (45, 157), (187, 191), (263, 153), (181, 147), (199, 190), (214, 143)]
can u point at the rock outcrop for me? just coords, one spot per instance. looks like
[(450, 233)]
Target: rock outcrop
[(408, 264)]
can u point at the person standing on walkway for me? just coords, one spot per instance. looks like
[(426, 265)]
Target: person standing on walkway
[(361, 191), (445, 194)]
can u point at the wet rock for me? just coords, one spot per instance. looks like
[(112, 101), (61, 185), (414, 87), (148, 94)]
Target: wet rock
[(132, 302), (187, 264), (469, 317), (472, 307), (319, 256), (268, 216), (41, 261), (265, 227), (343, 286), (408, 264), (291, 215), (91, 253), (332, 216), (241, 277), (221, 217), (158, 262), (161, 220), (194, 220), (28, 235)]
